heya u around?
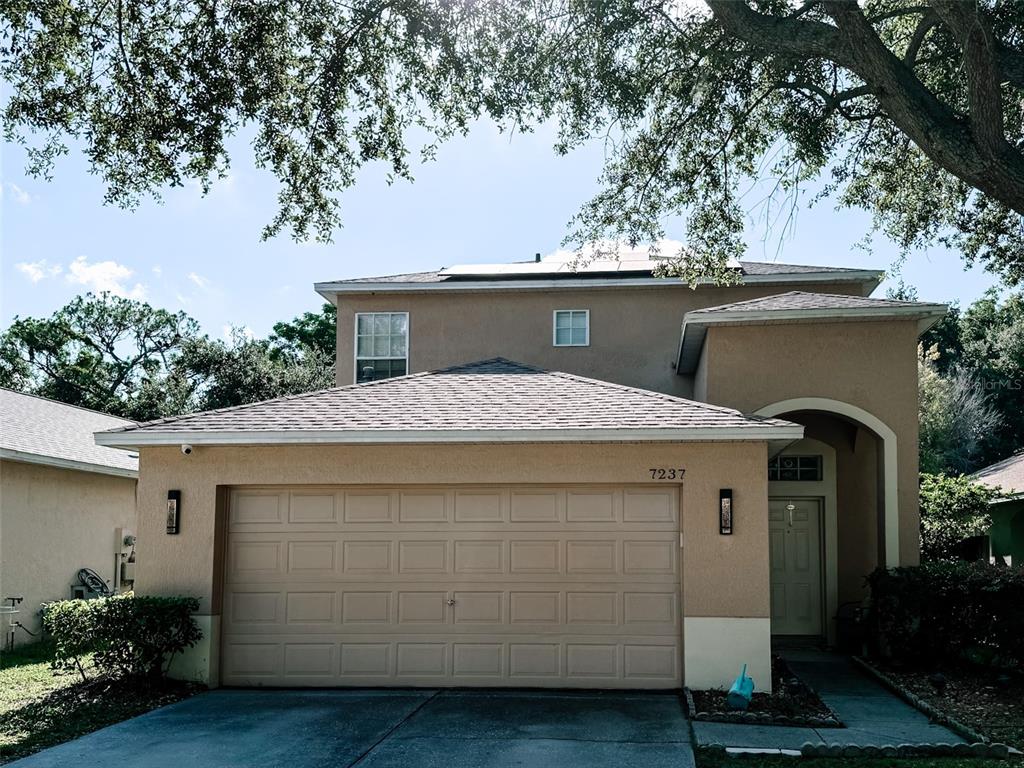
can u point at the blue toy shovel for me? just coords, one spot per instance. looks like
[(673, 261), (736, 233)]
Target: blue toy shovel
[(741, 691)]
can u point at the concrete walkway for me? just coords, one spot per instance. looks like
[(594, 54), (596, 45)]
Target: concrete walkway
[(873, 716), (391, 729)]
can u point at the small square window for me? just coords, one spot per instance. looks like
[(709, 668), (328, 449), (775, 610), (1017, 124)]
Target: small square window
[(572, 328)]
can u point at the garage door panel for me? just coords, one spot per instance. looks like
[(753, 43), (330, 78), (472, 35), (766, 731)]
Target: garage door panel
[(364, 608), (422, 607), (540, 506), (368, 507), (470, 585), (423, 507), (480, 506), (534, 607), (313, 508), (372, 557)]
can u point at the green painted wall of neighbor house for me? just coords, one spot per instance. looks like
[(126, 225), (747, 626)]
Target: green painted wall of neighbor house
[(1008, 530)]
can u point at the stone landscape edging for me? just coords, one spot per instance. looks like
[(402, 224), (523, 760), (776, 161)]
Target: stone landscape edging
[(762, 718), (920, 704)]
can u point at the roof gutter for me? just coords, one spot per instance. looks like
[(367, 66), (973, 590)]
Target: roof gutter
[(1014, 496), (59, 463), (133, 439), (331, 289)]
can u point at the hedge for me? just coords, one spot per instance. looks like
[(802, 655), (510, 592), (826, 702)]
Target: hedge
[(948, 612), (128, 636)]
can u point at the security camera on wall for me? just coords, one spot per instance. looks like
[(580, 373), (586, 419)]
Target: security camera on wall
[(186, 449)]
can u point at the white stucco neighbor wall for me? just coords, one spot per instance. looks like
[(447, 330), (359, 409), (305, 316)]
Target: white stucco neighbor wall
[(53, 522)]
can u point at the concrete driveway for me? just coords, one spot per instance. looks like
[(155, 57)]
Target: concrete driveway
[(400, 728)]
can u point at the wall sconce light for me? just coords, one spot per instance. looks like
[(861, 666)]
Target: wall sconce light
[(173, 511), (725, 511)]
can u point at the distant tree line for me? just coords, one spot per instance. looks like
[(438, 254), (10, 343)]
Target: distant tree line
[(127, 358), (972, 385)]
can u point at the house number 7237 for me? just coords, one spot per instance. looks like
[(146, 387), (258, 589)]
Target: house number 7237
[(667, 473)]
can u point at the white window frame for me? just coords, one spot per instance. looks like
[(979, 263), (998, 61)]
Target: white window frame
[(554, 327), (356, 357)]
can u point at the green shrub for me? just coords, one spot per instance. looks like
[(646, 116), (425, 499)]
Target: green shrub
[(73, 626), (952, 509), (953, 611), (128, 636)]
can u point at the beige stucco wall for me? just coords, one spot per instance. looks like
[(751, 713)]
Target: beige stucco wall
[(53, 522), (723, 576), (634, 333), (870, 365)]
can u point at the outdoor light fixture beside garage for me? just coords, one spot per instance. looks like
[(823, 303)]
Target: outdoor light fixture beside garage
[(173, 511), (725, 511)]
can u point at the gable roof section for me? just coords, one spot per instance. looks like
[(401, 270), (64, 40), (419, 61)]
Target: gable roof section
[(528, 275), (41, 431), (1007, 474), (797, 307), (488, 401)]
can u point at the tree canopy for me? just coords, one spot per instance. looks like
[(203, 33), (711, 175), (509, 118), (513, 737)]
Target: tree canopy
[(984, 346), (125, 357), (908, 109)]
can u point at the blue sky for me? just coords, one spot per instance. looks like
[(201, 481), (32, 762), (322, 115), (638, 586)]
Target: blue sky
[(486, 198)]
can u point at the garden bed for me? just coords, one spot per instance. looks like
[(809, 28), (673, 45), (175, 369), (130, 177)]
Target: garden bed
[(972, 699), (792, 703)]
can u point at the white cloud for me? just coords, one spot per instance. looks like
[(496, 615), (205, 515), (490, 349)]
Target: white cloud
[(199, 280), (158, 270), (38, 270), (105, 276), (18, 195)]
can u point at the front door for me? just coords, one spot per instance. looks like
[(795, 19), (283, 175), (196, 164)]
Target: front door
[(794, 530)]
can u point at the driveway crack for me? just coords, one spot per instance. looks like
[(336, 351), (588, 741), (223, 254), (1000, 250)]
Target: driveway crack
[(395, 727)]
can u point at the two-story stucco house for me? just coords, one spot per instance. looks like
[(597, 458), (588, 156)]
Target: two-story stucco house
[(534, 476)]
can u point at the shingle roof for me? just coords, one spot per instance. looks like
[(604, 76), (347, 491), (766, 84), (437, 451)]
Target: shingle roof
[(496, 398), (44, 431), (797, 300), (1007, 474), (795, 307), (752, 268)]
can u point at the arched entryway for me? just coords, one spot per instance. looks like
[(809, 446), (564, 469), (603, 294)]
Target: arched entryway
[(858, 493)]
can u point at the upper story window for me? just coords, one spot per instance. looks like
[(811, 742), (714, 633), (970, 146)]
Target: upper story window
[(798, 468), (572, 328), (382, 345)]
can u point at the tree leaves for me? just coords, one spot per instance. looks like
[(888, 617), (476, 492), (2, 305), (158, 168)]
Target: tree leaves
[(894, 104), (127, 358)]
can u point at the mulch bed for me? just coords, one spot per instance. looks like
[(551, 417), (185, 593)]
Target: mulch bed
[(792, 703), (989, 702)]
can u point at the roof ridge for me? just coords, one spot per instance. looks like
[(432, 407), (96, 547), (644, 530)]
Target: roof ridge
[(67, 405), (650, 393), (813, 294)]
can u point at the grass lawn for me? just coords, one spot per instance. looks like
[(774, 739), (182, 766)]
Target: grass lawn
[(39, 709), (719, 760)]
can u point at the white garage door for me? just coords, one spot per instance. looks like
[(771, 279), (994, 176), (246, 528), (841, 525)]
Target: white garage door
[(453, 585)]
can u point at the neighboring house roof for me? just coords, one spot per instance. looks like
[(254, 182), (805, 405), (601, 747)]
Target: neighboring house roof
[(488, 401), (1007, 475), (797, 307), (562, 274), (41, 431)]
